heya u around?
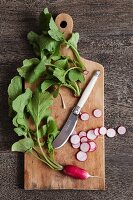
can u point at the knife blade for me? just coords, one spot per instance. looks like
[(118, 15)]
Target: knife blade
[(71, 122)]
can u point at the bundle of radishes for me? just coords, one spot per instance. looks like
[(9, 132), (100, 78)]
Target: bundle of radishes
[(85, 141)]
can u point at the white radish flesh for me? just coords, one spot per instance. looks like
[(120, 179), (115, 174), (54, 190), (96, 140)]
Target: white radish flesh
[(121, 130), (84, 147), (84, 116), (92, 146), (75, 139), (102, 131), (96, 132), (97, 113), (83, 139), (76, 146), (82, 134), (111, 133), (74, 132), (81, 156), (91, 135)]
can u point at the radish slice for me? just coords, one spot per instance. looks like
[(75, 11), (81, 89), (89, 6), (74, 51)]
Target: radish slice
[(82, 134), (97, 113), (84, 116), (76, 146), (91, 135), (74, 132), (81, 156), (102, 131), (111, 132), (121, 130), (75, 139), (84, 147), (83, 139), (85, 72), (96, 132), (92, 146)]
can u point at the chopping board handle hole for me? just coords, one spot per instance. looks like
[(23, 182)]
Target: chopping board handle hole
[(65, 24)]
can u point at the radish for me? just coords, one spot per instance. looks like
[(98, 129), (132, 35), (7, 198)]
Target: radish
[(83, 139), (92, 146), (97, 113), (74, 132), (102, 131), (76, 146), (82, 133), (77, 172), (75, 139), (85, 72), (111, 132), (121, 130), (81, 156), (84, 147), (96, 132), (84, 116), (91, 135)]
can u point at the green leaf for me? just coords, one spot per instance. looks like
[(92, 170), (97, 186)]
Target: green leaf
[(62, 63), (20, 132), (33, 40), (73, 86), (44, 20), (15, 88), (23, 145), (27, 70), (38, 106), (60, 74), (42, 131), (76, 75), (47, 84), (73, 40), (52, 131), (54, 31), (56, 92), (21, 101)]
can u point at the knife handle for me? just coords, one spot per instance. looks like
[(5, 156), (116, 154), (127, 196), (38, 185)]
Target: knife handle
[(88, 90)]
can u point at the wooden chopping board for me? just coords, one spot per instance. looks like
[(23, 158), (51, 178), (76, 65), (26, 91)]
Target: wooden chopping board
[(36, 174)]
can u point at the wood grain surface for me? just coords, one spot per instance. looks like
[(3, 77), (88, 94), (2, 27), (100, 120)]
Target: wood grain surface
[(106, 36)]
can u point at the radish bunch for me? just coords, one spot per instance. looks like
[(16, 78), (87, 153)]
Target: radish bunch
[(85, 140)]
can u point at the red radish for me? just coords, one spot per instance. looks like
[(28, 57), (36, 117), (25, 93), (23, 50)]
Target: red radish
[(102, 131), (81, 156), (82, 134), (96, 132), (84, 116), (91, 135), (75, 139), (97, 113), (83, 139), (74, 132), (92, 146), (76, 146), (111, 132), (121, 130), (84, 147)]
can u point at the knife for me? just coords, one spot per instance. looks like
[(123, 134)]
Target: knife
[(71, 122)]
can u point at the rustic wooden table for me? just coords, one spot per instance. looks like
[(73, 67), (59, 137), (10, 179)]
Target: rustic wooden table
[(106, 36)]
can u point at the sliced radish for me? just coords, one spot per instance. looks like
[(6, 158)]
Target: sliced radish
[(92, 146), (96, 132), (82, 134), (121, 130), (83, 139), (75, 139), (102, 131), (74, 132), (84, 147), (97, 113), (76, 146), (111, 132), (85, 72), (91, 135), (81, 156), (84, 116)]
